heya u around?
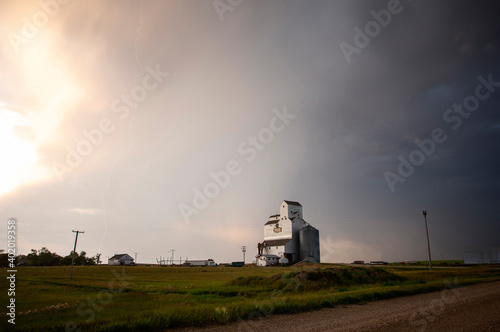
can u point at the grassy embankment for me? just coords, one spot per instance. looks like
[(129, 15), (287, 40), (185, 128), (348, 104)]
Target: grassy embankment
[(437, 263), (104, 298)]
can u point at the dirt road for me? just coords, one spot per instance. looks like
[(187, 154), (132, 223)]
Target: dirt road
[(471, 308)]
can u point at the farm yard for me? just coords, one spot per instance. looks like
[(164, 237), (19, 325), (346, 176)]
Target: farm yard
[(116, 298)]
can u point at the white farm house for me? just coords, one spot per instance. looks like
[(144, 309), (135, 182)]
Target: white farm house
[(288, 238), (121, 259)]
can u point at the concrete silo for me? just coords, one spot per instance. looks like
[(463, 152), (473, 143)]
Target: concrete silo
[(309, 244)]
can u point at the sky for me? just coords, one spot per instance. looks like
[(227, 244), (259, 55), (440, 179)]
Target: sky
[(178, 127)]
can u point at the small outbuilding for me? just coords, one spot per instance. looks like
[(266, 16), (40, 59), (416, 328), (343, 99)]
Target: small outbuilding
[(121, 259)]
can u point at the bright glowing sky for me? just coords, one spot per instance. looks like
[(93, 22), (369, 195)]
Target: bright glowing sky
[(218, 83)]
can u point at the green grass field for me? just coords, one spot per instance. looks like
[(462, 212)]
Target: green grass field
[(105, 298)]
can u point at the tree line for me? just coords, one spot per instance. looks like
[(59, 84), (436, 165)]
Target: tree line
[(44, 257)]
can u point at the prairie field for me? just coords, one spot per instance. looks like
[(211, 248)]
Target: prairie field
[(133, 298)]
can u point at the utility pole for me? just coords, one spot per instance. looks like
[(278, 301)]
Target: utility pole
[(172, 260), (135, 258), (74, 249), (428, 245), (243, 250)]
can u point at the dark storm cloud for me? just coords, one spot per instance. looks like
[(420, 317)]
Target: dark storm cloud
[(396, 90)]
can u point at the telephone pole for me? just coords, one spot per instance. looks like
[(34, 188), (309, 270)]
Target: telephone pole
[(74, 249), (428, 245), (243, 250), (172, 260)]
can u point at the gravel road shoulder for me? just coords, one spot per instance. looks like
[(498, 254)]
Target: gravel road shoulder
[(471, 308)]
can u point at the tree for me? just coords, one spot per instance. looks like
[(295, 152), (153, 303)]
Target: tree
[(87, 260), (47, 258), (66, 260), (33, 258), (44, 257), (4, 258)]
